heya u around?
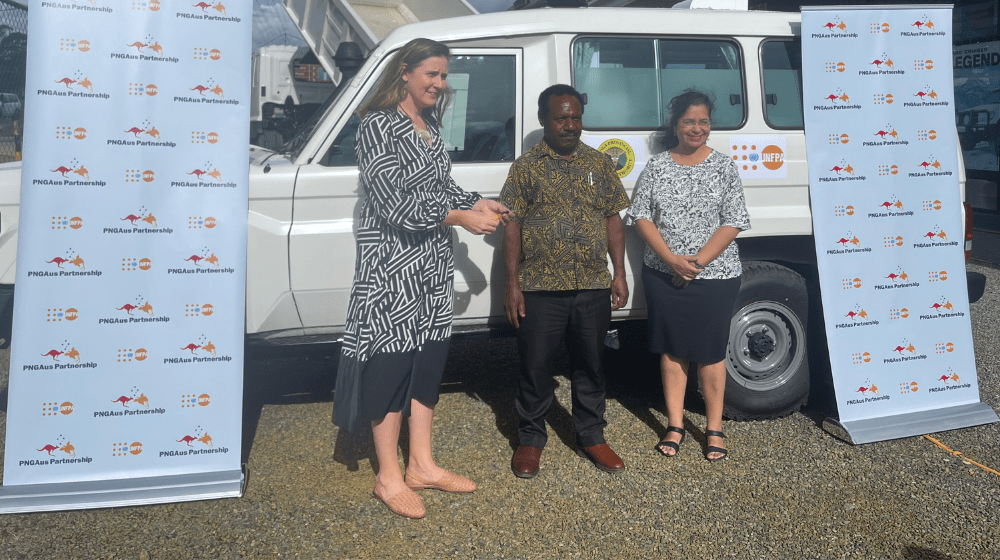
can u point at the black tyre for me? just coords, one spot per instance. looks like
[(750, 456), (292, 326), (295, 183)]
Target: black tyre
[(766, 362)]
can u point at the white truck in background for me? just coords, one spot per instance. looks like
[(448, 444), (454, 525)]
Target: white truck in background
[(288, 84), (305, 198)]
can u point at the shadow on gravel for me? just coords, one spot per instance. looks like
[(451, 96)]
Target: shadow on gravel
[(913, 552)]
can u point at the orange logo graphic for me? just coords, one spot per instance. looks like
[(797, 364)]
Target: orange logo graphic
[(901, 313), (895, 203), (929, 205), (130, 264), (891, 133), (878, 28), (82, 45), (920, 24), (120, 449), (127, 355), (844, 166), (835, 139), (198, 137), (850, 239), (868, 387), (860, 358), (884, 170), (151, 5), (857, 313), (54, 408), (942, 347), (926, 135), (81, 170), (900, 273), (949, 376), (926, 92), (772, 157), (194, 309), (75, 260), (835, 67), (882, 98), (925, 164), (196, 259), (215, 89), (841, 211), (58, 314), (907, 347), (849, 283), (192, 400), (910, 387), (66, 447), (203, 438), (839, 25), (937, 276), (838, 96), (890, 241), (923, 64), (939, 234), (877, 63), (141, 400), (942, 303)]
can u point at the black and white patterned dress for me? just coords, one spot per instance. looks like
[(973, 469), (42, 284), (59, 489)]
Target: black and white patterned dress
[(402, 297)]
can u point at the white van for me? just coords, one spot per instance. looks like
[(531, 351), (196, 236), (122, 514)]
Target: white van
[(629, 63)]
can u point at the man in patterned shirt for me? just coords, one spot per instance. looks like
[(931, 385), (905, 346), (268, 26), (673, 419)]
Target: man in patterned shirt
[(565, 197)]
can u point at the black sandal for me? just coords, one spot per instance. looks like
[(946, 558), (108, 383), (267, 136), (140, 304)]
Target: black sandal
[(714, 449), (675, 445)]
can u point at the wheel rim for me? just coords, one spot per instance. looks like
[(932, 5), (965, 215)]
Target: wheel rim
[(765, 345)]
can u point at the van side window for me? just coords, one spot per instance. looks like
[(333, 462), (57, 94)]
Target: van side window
[(781, 66), (629, 82), (478, 125)]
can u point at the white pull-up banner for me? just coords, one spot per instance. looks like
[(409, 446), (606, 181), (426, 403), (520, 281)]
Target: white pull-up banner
[(126, 367), (884, 186)]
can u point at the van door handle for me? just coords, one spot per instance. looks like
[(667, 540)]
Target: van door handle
[(735, 99), (772, 98)]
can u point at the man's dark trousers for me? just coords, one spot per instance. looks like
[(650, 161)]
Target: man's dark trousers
[(583, 317)]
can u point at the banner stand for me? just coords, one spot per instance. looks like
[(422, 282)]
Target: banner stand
[(124, 492), (870, 430)]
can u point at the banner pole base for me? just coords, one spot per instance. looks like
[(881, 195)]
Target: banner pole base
[(26, 498), (883, 428)]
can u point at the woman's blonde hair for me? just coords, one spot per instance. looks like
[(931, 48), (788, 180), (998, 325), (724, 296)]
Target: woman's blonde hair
[(392, 89)]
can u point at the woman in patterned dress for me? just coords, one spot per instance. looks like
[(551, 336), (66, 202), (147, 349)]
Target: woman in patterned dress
[(399, 318), (688, 206)]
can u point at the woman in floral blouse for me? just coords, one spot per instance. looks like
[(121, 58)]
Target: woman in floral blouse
[(688, 206)]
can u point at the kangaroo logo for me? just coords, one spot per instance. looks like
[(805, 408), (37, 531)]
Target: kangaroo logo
[(122, 399), (154, 133), (199, 88), (187, 440), (209, 347), (139, 45), (136, 131), (143, 400), (49, 449), (150, 219), (86, 84), (73, 353), (206, 439), (192, 347)]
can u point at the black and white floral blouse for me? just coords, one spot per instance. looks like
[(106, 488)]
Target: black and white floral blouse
[(688, 203)]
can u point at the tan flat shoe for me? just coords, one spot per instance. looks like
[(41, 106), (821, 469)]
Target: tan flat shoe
[(450, 482), (405, 503)]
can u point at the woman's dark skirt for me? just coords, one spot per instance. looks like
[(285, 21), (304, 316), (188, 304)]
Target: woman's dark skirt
[(387, 382), (692, 322)]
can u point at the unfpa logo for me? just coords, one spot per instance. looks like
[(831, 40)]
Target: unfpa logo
[(929, 205), (198, 310), (926, 135), (874, 28), (204, 53), (199, 137), (900, 313), (835, 67), (131, 264), (135, 175), (841, 211), (944, 348), (834, 139), (82, 45), (940, 276), (890, 241), (911, 387), (192, 400), (143, 5), (126, 355), (197, 222), (137, 88), (68, 132), (851, 284), (923, 64), (124, 449), (882, 99), (63, 222), (890, 169), (858, 358), (58, 314), (54, 409)]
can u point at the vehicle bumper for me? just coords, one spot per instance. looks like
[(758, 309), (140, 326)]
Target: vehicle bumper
[(977, 285)]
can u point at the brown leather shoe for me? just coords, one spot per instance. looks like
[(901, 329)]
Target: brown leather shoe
[(525, 461), (603, 458)]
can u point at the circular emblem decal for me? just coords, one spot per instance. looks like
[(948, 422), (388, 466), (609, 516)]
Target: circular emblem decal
[(621, 153)]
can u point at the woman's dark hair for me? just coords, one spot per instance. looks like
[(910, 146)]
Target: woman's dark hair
[(392, 89), (666, 138)]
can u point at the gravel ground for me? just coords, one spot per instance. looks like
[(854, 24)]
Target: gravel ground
[(788, 489)]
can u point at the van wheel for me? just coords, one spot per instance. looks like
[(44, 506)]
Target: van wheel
[(766, 362)]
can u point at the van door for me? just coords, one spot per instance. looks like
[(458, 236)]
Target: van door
[(481, 129)]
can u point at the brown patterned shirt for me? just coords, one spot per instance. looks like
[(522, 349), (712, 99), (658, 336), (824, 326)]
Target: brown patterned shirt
[(562, 206)]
